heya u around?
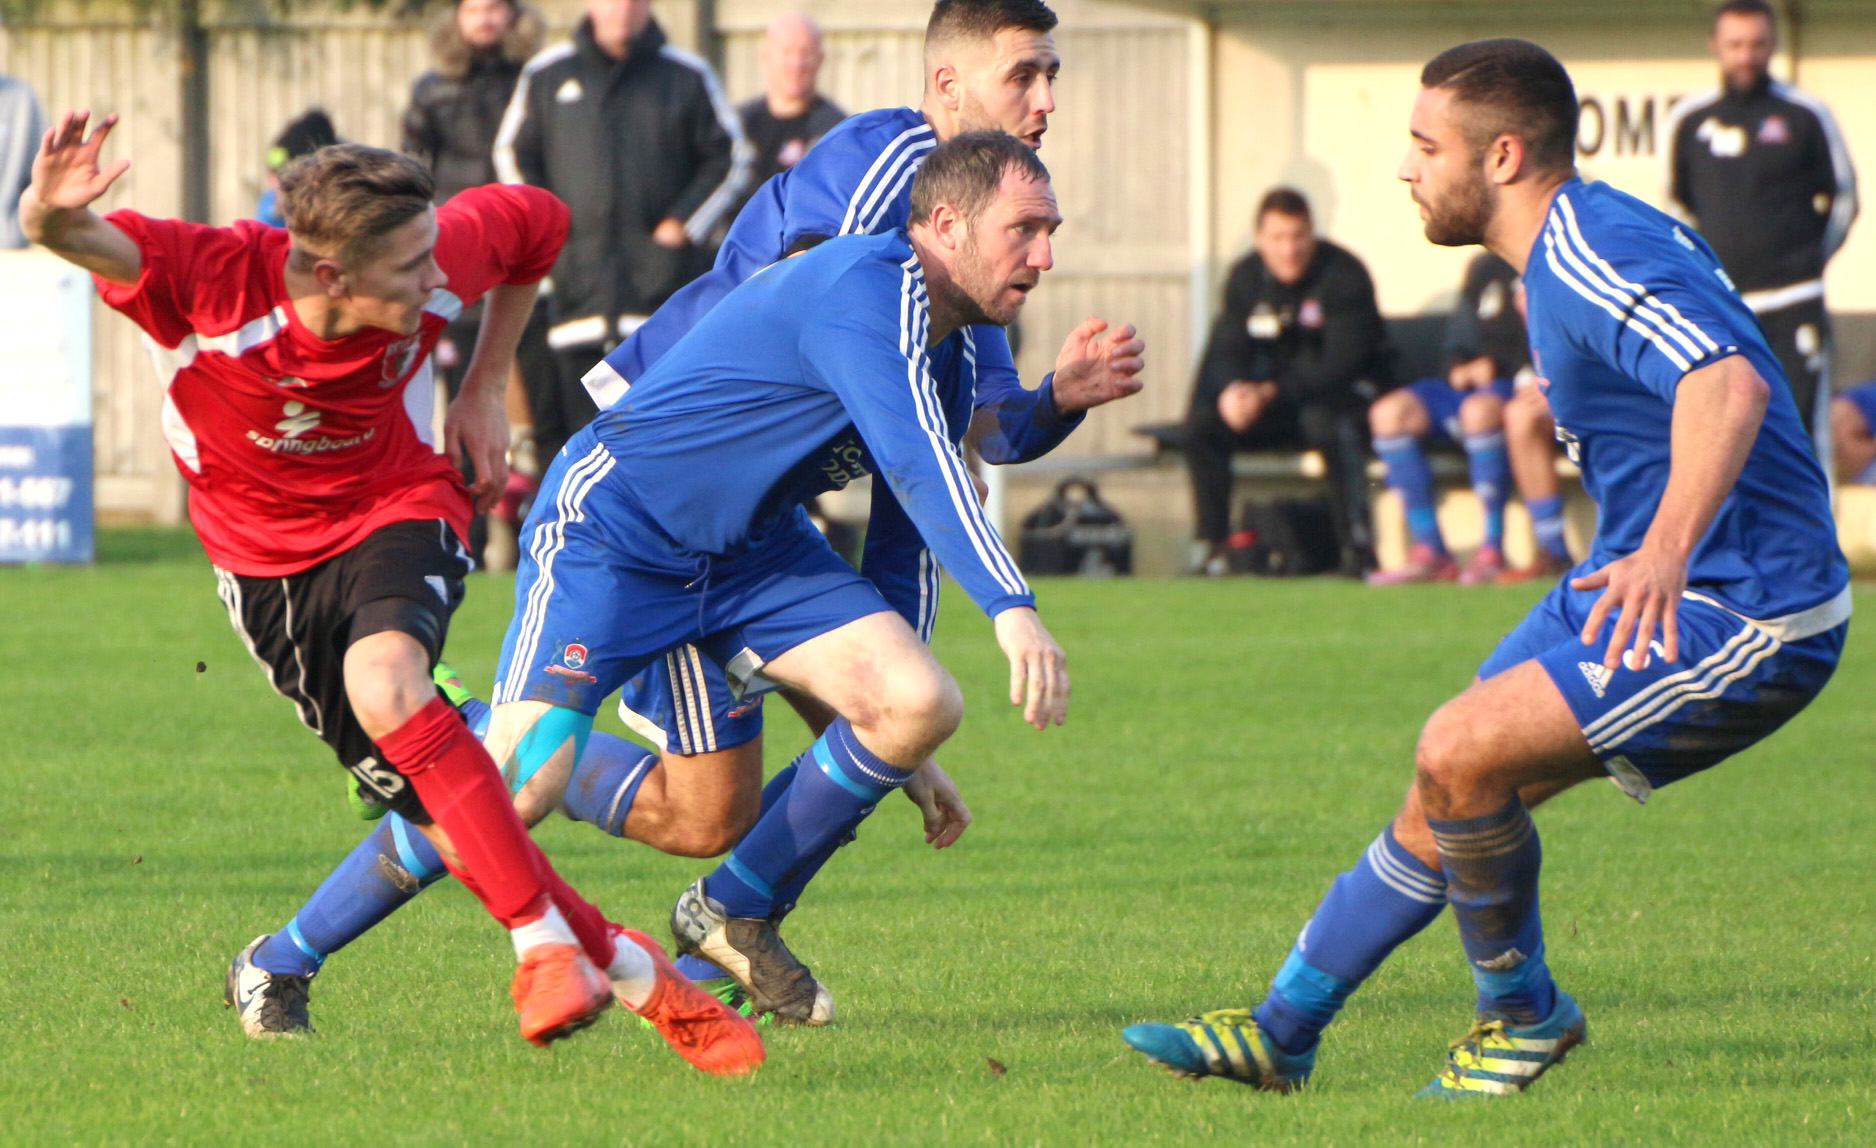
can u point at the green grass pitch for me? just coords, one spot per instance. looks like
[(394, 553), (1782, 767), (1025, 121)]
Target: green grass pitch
[(1232, 746)]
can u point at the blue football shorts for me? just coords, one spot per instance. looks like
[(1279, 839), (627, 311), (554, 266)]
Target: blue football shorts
[(1442, 403), (685, 703), (603, 593), (1735, 682)]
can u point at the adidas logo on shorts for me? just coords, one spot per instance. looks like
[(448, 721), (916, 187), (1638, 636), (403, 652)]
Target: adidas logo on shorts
[(1598, 675)]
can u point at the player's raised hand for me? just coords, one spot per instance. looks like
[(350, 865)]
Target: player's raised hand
[(1038, 667), (476, 429), (66, 172), (1643, 591), (936, 795), (1098, 366), (55, 209)]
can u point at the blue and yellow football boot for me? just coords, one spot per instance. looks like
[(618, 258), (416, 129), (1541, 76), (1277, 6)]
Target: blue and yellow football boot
[(1225, 1043), (1495, 1059)]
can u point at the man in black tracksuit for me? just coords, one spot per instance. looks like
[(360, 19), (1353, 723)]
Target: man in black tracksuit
[(1761, 169), (638, 139), (1294, 359)]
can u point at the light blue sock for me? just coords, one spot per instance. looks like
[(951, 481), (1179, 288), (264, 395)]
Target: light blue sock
[(1387, 898), (1491, 864), (1408, 473), (1547, 524), (1491, 477), (387, 869), (837, 783), (606, 781)]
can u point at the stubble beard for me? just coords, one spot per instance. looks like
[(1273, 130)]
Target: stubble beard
[(1461, 219), (976, 289)]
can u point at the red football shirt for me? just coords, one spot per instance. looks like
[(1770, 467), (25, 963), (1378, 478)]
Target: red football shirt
[(295, 447)]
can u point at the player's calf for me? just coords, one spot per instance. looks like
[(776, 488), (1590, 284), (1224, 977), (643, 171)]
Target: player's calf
[(537, 747)]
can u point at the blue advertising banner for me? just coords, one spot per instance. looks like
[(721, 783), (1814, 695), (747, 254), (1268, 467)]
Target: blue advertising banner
[(45, 410)]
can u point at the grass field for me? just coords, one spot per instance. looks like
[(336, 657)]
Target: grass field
[(1232, 747)]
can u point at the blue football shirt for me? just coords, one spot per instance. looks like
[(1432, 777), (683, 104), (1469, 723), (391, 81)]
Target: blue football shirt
[(1624, 302)]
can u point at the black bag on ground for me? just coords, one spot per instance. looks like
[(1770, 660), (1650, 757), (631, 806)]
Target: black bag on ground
[(1285, 537), (1076, 533)]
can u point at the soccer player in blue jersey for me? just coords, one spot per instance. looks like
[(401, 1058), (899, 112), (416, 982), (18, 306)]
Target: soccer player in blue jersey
[(1711, 609), (990, 64), (675, 520)]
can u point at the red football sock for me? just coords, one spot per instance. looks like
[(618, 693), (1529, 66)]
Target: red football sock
[(463, 792), (587, 922)]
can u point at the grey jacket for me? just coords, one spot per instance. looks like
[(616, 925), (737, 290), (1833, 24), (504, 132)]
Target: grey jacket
[(21, 125)]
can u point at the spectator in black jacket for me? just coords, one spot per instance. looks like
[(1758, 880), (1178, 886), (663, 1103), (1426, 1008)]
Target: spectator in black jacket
[(639, 140), (783, 122), (1761, 169), (1294, 358), (477, 50)]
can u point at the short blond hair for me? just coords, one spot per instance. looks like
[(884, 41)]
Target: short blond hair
[(341, 201)]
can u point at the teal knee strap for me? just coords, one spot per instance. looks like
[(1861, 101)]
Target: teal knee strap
[(546, 735)]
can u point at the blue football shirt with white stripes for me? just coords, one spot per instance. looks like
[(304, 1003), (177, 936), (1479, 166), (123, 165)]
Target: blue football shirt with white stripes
[(811, 374), (1624, 302)]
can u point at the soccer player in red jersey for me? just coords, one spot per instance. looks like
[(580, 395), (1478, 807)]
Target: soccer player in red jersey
[(296, 367)]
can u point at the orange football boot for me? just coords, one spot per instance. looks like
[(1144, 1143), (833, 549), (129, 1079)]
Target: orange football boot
[(701, 1028)]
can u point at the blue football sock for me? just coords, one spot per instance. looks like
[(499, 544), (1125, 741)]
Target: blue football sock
[(1491, 476), (1408, 473), (1387, 898), (698, 969), (476, 713), (1491, 867), (605, 782), (388, 868), (778, 785), (836, 784), (1547, 524)]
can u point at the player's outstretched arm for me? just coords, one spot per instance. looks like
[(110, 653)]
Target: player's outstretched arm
[(55, 210), (476, 425), (1717, 412), (1098, 365), (1038, 667)]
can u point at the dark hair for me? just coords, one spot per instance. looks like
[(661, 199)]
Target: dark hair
[(1746, 8), (1284, 201), (966, 170), (1510, 87), (302, 136), (983, 19), (341, 201)]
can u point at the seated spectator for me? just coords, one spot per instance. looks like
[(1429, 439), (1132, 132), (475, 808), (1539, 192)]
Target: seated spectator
[(1853, 434), (1485, 351), (1531, 438), (1294, 358)]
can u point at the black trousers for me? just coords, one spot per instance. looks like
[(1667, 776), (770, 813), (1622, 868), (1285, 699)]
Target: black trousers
[(1335, 431), (562, 409), (1800, 337)]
